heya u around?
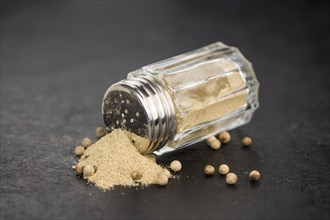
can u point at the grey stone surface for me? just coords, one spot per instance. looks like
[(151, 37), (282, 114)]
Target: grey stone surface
[(58, 58)]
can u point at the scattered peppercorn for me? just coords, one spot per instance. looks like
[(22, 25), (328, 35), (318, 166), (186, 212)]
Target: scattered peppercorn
[(224, 137), (100, 132), (175, 166), (215, 145), (231, 178), (254, 175), (210, 140), (162, 179), (86, 142), (79, 168), (136, 175), (209, 170), (247, 141), (88, 171), (223, 169), (79, 150)]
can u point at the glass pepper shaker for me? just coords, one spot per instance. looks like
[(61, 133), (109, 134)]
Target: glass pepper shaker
[(176, 102)]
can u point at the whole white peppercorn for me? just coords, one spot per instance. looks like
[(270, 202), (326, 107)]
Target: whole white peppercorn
[(79, 150), (247, 141), (88, 171), (254, 175), (162, 179), (209, 170), (100, 132), (223, 169), (224, 137), (86, 142), (231, 178), (215, 145), (136, 175), (175, 166), (79, 168), (210, 140)]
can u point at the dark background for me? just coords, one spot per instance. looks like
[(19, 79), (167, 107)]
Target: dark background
[(58, 58)]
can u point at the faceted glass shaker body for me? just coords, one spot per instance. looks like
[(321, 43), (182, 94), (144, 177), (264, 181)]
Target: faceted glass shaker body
[(209, 90)]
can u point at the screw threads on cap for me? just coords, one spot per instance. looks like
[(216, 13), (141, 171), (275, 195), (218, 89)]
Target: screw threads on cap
[(150, 111)]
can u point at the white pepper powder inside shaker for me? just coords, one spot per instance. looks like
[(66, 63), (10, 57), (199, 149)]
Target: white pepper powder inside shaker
[(184, 99)]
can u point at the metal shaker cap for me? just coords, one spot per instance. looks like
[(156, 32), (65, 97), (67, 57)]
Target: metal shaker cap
[(141, 106)]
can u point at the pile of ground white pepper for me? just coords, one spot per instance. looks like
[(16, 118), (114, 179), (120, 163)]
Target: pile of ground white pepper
[(114, 161)]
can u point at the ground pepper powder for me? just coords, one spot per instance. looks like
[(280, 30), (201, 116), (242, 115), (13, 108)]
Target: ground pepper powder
[(116, 158)]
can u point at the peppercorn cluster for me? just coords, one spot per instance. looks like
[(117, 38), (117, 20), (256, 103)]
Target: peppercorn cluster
[(215, 144)]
